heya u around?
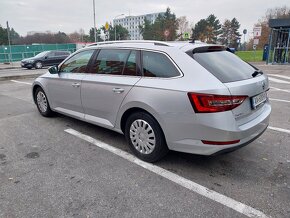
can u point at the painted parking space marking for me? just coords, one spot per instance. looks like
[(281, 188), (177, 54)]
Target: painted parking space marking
[(278, 80), (280, 100), (279, 129), (21, 82), (277, 89), (280, 76), (192, 186)]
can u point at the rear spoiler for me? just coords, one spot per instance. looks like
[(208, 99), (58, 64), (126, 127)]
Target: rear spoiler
[(210, 48)]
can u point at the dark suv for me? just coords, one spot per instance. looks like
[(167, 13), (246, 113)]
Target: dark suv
[(46, 58)]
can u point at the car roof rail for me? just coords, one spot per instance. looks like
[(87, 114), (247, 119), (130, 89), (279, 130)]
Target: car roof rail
[(131, 41)]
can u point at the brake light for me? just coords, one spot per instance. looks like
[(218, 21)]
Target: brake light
[(208, 103)]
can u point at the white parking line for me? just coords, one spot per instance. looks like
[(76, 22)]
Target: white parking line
[(280, 76), (277, 89), (279, 129), (278, 80), (26, 83), (192, 186), (280, 100)]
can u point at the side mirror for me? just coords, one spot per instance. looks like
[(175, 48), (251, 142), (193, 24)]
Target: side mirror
[(53, 70)]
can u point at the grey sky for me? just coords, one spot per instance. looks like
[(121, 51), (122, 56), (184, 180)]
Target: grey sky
[(71, 15)]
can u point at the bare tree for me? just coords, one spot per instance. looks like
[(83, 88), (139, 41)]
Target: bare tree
[(82, 33), (183, 26), (75, 37), (271, 13)]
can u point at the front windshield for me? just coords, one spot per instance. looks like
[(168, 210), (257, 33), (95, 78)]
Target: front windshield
[(41, 54)]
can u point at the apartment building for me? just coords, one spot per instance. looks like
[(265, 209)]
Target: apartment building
[(131, 23)]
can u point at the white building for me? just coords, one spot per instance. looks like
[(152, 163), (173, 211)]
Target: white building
[(131, 23)]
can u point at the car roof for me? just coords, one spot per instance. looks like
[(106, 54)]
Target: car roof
[(148, 44)]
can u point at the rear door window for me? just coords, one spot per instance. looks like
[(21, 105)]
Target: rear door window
[(158, 65), (225, 66), (110, 61), (51, 54), (131, 65)]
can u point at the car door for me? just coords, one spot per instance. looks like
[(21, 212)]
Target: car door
[(49, 59), (112, 75), (59, 57), (65, 87)]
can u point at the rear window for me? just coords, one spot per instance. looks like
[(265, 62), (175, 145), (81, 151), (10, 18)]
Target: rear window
[(225, 66)]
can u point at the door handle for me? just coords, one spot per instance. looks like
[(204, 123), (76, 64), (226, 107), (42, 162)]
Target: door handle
[(118, 90), (76, 85)]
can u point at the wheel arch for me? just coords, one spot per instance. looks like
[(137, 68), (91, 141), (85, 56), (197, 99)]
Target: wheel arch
[(135, 109), (34, 88)]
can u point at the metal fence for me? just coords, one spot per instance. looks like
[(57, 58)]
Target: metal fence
[(279, 49), (19, 52)]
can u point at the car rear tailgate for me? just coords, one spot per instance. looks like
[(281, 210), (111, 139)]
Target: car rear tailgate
[(253, 87)]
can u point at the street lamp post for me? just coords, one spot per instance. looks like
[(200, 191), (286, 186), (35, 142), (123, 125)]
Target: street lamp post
[(115, 25), (94, 10), (245, 32), (10, 53)]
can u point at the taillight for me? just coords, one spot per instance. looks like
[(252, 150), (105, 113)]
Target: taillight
[(208, 103)]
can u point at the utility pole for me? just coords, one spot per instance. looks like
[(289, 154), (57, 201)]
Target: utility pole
[(8, 33), (95, 34)]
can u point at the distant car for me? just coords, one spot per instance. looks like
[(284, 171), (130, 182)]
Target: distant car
[(46, 58), (187, 97)]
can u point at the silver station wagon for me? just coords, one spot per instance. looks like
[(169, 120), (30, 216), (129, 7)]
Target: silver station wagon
[(189, 97)]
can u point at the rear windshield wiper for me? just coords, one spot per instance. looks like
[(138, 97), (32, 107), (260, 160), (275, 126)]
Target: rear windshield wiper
[(257, 72)]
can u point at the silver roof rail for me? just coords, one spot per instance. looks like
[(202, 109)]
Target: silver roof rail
[(131, 41)]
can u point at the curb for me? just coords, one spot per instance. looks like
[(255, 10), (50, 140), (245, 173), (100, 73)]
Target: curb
[(3, 78), (9, 68)]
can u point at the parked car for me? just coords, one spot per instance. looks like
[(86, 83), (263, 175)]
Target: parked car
[(187, 97), (46, 58)]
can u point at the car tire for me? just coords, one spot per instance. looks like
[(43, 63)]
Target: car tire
[(38, 65), (145, 137), (29, 68), (42, 103)]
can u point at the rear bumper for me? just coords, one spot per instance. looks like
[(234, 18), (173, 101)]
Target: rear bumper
[(227, 150), (222, 127)]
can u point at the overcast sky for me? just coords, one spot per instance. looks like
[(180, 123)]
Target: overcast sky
[(71, 15)]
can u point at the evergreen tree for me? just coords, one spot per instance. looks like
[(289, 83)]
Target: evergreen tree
[(14, 36), (92, 37), (235, 36), (213, 28), (199, 30), (225, 37), (155, 31), (207, 30), (121, 33), (230, 33)]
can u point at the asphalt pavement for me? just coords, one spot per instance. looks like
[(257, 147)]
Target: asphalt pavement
[(46, 172), (20, 73)]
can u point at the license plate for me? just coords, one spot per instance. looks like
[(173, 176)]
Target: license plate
[(259, 99)]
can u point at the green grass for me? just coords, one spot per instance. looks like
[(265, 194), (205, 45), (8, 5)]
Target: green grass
[(249, 55)]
